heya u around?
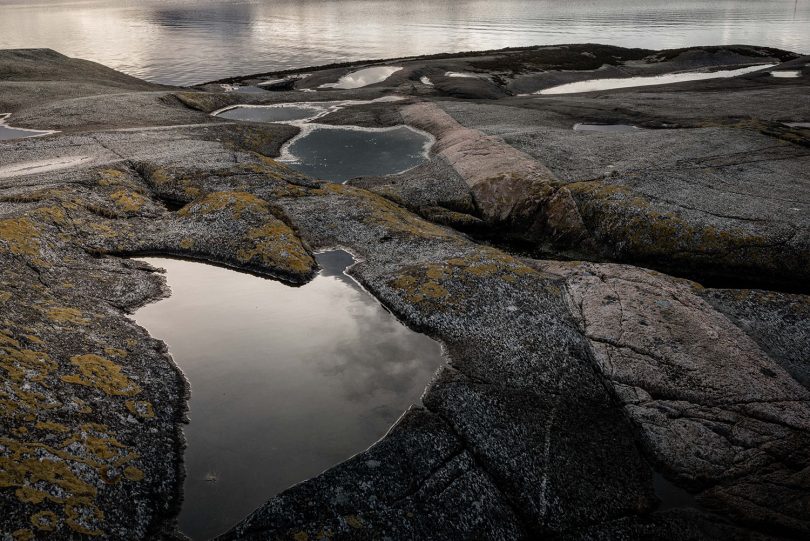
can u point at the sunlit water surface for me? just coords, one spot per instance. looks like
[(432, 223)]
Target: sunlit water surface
[(285, 382), (190, 41)]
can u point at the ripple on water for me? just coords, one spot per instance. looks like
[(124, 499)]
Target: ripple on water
[(285, 381)]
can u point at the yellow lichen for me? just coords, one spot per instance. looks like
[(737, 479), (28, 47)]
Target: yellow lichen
[(67, 315), (110, 177), (23, 534), (128, 200), (140, 408), (133, 474), (53, 214), (83, 516), (101, 373), (20, 236), (51, 427), (45, 521), (30, 495), (187, 243), (275, 245), (236, 202), (4, 296)]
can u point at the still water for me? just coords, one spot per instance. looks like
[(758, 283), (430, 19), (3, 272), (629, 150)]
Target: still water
[(190, 41), (340, 153), (285, 381)]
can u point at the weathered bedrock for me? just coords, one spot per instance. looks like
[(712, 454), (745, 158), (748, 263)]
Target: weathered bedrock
[(580, 399)]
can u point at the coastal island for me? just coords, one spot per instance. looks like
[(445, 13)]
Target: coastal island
[(618, 276)]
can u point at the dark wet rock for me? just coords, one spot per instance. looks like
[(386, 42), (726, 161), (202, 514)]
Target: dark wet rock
[(778, 322), (730, 428), (373, 115), (417, 483), (468, 87), (673, 525), (284, 84), (208, 102)]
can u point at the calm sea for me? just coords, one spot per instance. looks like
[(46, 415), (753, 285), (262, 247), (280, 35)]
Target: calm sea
[(190, 41)]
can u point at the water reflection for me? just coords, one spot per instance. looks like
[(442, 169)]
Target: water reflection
[(285, 382), (190, 41)]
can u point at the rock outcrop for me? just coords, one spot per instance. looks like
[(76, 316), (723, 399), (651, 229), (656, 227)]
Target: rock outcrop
[(579, 399)]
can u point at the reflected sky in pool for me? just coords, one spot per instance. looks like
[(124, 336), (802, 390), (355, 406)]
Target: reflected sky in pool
[(285, 381)]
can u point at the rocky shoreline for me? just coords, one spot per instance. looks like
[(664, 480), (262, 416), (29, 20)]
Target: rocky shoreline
[(650, 337)]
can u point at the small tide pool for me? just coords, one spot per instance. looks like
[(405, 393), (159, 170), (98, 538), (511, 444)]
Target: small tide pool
[(606, 128), (272, 113), (285, 381), (7, 132), (593, 85), (363, 77), (786, 74), (339, 153)]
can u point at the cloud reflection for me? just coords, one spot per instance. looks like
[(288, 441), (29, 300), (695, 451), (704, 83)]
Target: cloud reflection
[(285, 382)]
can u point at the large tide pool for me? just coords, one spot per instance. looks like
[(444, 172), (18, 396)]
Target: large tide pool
[(285, 381)]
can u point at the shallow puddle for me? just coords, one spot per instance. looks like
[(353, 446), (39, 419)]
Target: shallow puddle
[(338, 153), (799, 124), (7, 132), (593, 85), (465, 75), (285, 382), (607, 128), (272, 113), (786, 74), (363, 77), (425, 80)]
